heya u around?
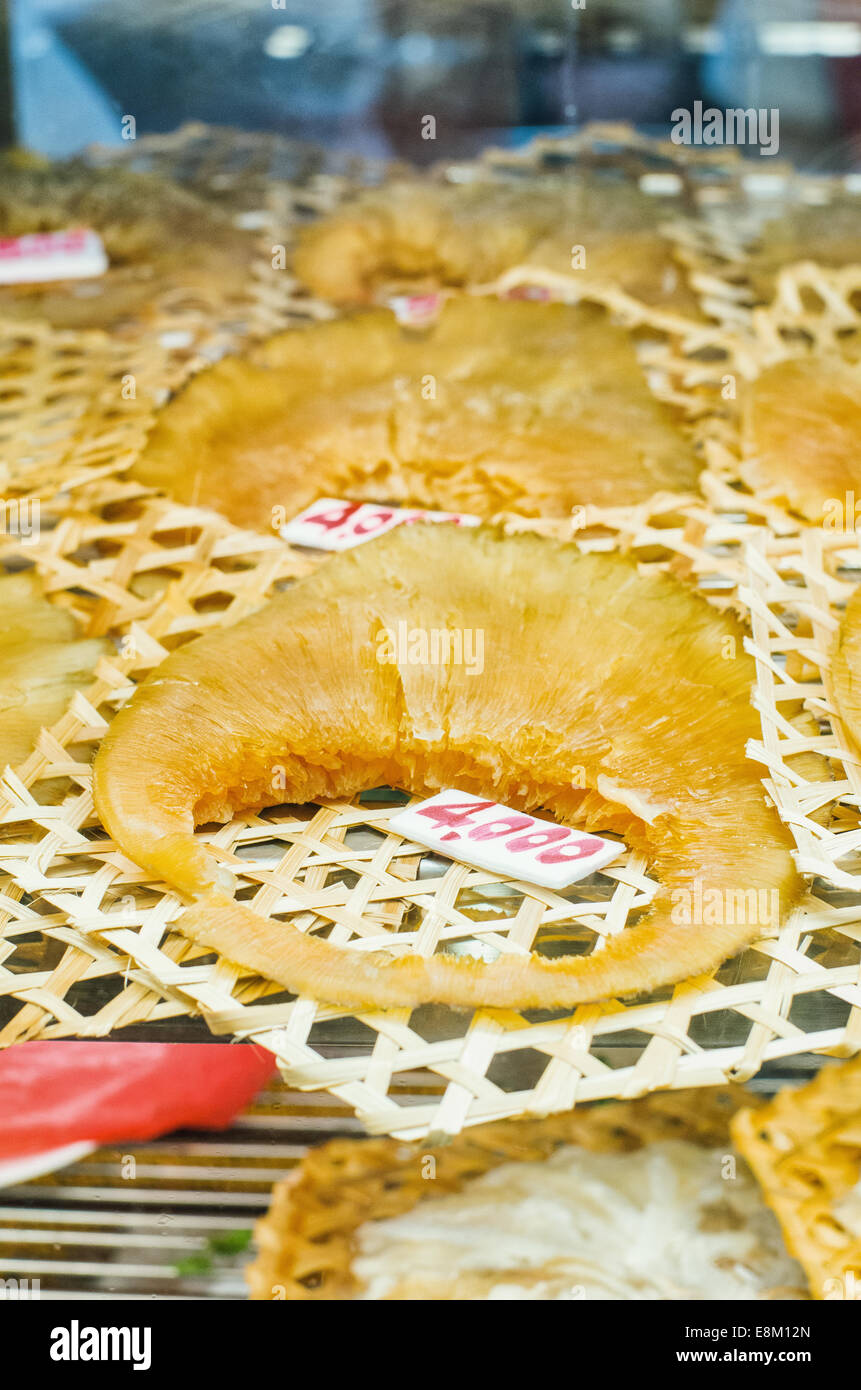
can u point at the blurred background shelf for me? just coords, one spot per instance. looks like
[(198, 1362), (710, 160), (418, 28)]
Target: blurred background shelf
[(361, 75)]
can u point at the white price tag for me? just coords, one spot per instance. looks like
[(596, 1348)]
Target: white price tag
[(333, 524), (45, 256), (489, 836)]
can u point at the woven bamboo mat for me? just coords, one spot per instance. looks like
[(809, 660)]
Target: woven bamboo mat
[(718, 249), (74, 407), (75, 914), (805, 1149), (794, 592)]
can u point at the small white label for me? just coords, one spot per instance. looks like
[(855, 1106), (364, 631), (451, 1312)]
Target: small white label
[(176, 338), (44, 256), (333, 524), (253, 220), (509, 843), (661, 183), (764, 185)]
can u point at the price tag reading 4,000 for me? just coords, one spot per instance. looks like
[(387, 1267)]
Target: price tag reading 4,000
[(509, 843), (331, 524)]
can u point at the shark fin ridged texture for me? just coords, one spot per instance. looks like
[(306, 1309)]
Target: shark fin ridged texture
[(42, 662), (412, 236), (531, 408), (801, 425), (594, 676)]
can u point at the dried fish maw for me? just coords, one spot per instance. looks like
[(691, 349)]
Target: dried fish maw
[(41, 664), (413, 236), (801, 426), (591, 670), (500, 406)]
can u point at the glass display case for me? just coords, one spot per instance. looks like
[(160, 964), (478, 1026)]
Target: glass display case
[(254, 120)]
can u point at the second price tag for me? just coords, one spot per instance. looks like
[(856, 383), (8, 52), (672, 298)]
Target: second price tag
[(333, 524)]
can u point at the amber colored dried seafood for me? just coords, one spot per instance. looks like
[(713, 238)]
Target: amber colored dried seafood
[(800, 432), (412, 236), (529, 408), (41, 663), (613, 700)]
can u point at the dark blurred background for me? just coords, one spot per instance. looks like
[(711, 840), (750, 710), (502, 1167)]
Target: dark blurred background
[(363, 74)]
